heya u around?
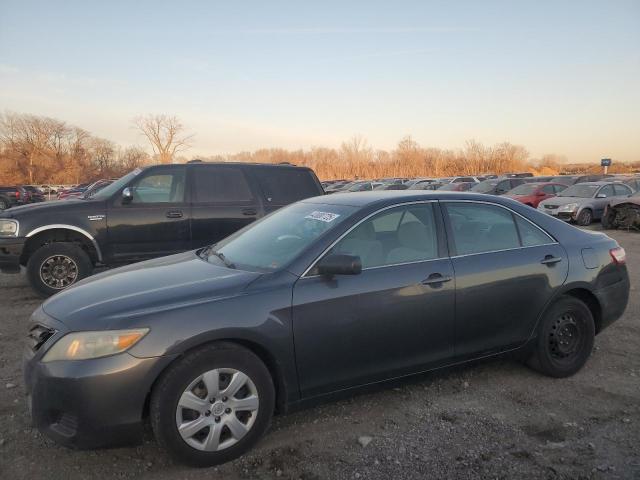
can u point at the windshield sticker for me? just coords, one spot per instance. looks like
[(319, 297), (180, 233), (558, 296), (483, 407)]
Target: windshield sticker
[(323, 216)]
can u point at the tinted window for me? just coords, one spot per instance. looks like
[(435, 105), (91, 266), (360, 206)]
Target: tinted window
[(220, 184), (281, 186), (530, 235), (160, 187), (481, 228), (399, 235), (621, 190), (607, 190), (549, 189), (580, 191)]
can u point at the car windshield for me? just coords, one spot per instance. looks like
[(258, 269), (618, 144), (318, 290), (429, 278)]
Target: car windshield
[(524, 189), (484, 187), (580, 191), (109, 190), (274, 241)]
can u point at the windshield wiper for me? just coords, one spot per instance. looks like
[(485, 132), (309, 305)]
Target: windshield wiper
[(220, 255)]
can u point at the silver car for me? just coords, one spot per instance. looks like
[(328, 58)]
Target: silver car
[(584, 202)]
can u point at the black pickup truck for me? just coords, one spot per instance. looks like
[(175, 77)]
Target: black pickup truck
[(150, 212)]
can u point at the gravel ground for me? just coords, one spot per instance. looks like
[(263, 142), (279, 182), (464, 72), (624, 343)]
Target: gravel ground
[(494, 419)]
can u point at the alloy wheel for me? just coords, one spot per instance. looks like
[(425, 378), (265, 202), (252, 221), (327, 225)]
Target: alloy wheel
[(58, 271), (217, 409)]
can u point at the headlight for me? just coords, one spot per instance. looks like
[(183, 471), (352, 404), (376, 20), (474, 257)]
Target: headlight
[(569, 207), (84, 345), (8, 228)]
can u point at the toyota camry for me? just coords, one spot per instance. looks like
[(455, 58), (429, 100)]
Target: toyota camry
[(326, 295)]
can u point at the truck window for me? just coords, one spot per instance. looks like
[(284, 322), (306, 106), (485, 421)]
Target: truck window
[(220, 185), (282, 186)]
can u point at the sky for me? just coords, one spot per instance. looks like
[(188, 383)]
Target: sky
[(555, 76)]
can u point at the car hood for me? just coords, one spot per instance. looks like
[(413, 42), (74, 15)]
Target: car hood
[(618, 201), (143, 288), (563, 200), (49, 207)]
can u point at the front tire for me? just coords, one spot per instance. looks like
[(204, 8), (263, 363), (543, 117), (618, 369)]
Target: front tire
[(565, 338), (585, 218), (56, 266), (213, 405)]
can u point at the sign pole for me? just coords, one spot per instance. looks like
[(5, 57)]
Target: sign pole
[(605, 163)]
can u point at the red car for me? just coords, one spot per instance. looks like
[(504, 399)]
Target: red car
[(533, 193)]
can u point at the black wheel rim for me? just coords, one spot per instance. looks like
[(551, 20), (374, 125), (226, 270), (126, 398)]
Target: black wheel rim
[(58, 272), (566, 337), (586, 217)]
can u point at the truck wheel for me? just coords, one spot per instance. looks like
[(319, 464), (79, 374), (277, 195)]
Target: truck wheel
[(585, 218), (57, 266), (212, 405), (565, 338)]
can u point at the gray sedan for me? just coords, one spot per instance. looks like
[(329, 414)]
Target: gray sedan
[(584, 202)]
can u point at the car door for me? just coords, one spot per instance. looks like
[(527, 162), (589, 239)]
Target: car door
[(222, 202), (602, 199), (154, 221), (506, 271), (394, 318)]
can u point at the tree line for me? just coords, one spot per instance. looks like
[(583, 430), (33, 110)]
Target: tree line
[(38, 150)]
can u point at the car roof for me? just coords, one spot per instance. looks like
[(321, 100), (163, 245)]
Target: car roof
[(599, 183), (391, 197)]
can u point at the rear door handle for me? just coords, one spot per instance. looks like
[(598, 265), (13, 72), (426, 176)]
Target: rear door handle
[(435, 279), (249, 211), (174, 214), (550, 260)]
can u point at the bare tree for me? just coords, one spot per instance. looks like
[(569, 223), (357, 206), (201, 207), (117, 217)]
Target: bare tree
[(165, 133)]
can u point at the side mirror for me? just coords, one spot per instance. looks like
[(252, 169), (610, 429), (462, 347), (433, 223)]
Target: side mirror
[(340, 265), (601, 195), (127, 195)]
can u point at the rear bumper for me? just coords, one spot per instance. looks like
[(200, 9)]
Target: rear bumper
[(10, 252), (90, 403), (613, 301)]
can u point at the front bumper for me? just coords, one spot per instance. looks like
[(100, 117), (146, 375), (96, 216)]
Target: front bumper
[(10, 252), (89, 403), (560, 214)]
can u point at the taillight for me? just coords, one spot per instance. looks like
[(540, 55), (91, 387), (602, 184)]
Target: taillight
[(618, 255), (17, 194)]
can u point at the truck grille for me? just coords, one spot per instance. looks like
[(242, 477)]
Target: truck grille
[(38, 335)]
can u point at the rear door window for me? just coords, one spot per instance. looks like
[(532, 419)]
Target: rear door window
[(480, 228), (607, 191), (282, 186), (622, 190), (214, 184)]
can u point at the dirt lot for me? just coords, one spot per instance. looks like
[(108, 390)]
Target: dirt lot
[(496, 419)]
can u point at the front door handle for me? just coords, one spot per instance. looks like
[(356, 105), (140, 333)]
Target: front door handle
[(550, 260), (249, 211), (435, 279), (174, 214)]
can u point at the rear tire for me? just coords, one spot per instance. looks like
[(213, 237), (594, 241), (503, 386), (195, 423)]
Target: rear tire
[(198, 381), (585, 218), (565, 338), (57, 266)]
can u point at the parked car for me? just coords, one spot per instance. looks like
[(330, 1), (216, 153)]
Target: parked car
[(465, 180), (148, 213), (427, 186), (533, 193), (11, 196), (518, 175), (363, 186), (326, 295), (584, 202), (85, 192), (73, 192), (497, 186), (622, 213), (392, 186), (35, 194), (457, 186)]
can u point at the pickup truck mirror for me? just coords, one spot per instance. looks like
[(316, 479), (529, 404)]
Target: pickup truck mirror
[(127, 195), (340, 265)]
